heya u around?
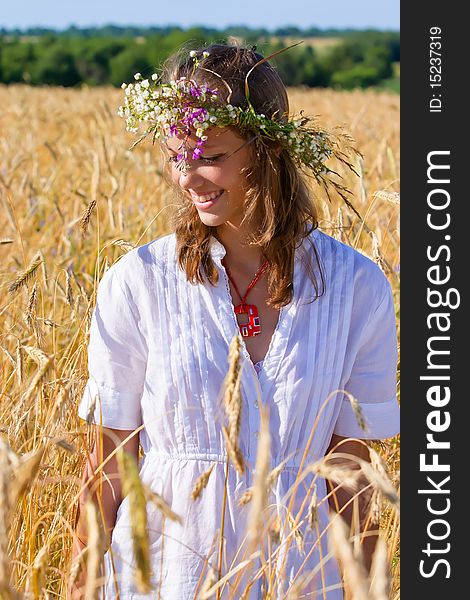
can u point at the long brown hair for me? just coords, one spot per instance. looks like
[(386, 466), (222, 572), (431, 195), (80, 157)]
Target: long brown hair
[(279, 210)]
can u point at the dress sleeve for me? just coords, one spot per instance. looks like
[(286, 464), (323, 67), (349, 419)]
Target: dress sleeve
[(373, 378), (116, 359)]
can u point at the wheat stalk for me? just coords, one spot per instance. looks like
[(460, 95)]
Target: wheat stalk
[(295, 590), (163, 507), (382, 483), (77, 565), (38, 573), (85, 218), (234, 453), (393, 197), (25, 473), (201, 483), (43, 361), (379, 573), (232, 399), (95, 552), (91, 410), (234, 410), (39, 357), (275, 530), (206, 586), (260, 482), (19, 364), (274, 474), (377, 254), (298, 535), (357, 409), (313, 509), (339, 473), (24, 276), (353, 569), (5, 506), (246, 497), (68, 289), (232, 402), (30, 314), (127, 246), (133, 489)]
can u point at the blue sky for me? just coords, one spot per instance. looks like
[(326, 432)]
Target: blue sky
[(380, 14)]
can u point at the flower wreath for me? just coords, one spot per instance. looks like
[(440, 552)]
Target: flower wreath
[(184, 107)]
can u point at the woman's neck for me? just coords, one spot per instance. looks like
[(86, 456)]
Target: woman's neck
[(239, 256)]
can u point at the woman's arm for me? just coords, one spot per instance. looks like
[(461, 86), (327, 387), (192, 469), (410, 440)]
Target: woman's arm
[(104, 442), (341, 496)]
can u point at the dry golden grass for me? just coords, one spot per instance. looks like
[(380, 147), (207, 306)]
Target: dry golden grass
[(73, 199)]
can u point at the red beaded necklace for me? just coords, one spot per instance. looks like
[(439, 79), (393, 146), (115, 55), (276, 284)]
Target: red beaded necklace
[(253, 327)]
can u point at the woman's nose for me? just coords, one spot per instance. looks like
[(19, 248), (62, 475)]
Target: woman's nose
[(189, 177)]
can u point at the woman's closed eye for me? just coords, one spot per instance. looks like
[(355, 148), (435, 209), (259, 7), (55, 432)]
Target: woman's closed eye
[(203, 159), (211, 159)]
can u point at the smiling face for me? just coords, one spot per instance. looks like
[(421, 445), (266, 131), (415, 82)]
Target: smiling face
[(215, 182)]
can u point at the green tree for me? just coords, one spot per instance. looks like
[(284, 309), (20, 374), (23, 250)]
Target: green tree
[(343, 56), (93, 58), (360, 61), (56, 66), (299, 66), (379, 58), (16, 60), (131, 60), (359, 76), (113, 54)]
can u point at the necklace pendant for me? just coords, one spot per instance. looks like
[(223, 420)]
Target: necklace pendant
[(253, 326)]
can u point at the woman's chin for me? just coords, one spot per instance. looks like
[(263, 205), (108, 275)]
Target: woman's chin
[(211, 220)]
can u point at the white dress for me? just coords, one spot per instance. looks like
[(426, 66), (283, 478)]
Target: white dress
[(158, 356)]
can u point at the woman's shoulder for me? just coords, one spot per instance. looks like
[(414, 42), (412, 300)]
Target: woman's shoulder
[(366, 276), (149, 260)]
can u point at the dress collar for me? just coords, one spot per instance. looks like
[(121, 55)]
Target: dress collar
[(216, 249)]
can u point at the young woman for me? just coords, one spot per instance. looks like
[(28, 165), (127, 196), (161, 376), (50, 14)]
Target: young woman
[(313, 316)]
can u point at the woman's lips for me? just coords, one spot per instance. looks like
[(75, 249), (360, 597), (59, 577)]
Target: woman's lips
[(205, 205)]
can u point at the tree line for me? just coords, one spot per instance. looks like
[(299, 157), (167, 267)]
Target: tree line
[(111, 55)]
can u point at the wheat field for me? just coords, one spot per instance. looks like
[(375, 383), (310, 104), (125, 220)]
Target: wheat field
[(73, 199)]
